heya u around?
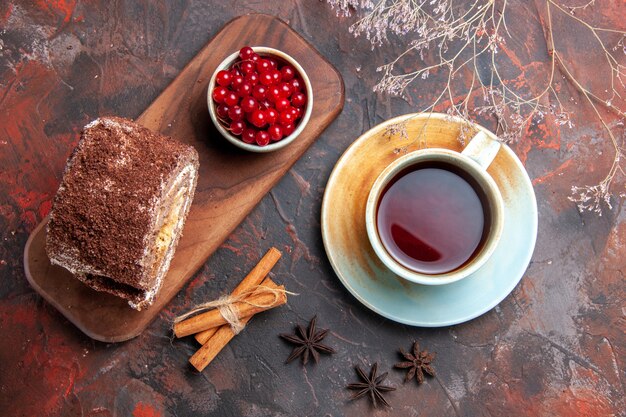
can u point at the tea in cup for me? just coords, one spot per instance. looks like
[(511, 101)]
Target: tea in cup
[(435, 216)]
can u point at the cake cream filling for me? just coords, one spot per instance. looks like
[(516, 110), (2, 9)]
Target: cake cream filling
[(169, 221)]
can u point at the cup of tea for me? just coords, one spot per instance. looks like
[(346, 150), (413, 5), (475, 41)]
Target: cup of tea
[(435, 216)]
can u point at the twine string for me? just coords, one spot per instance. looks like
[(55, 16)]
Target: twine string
[(225, 305)]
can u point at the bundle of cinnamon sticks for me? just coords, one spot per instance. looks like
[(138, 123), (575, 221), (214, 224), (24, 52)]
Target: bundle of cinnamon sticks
[(213, 331)]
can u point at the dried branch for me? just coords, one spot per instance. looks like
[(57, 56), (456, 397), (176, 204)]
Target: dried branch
[(452, 38)]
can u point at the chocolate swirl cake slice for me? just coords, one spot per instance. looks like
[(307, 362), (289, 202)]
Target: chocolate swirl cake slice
[(120, 209)]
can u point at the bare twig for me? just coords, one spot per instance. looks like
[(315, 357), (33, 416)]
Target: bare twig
[(455, 38)]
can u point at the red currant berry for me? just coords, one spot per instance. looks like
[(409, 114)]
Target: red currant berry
[(285, 89), (235, 113), (222, 111), (298, 99), (288, 129), (286, 118), (296, 84), (219, 94), (271, 115), (248, 104), (246, 53), (247, 67), (248, 135), (254, 57), (299, 112), (244, 89), (236, 82), (273, 93), (276, 132), (276, 76), (273, 63), (234, 71), (263, 65), (266, 78), (231, 98), (252, 78), (258, 118), (236, 128), (223, 78), (288, 72), (262, 138), (265, 104), (282, 104), (259, 91), (293, 111)]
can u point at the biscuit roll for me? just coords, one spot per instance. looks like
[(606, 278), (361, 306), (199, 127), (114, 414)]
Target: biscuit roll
[(120, 209)]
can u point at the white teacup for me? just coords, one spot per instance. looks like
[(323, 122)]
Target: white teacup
[(419, 256)]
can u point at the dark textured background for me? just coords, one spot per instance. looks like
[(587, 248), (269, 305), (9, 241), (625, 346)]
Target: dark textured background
[(555, 346)]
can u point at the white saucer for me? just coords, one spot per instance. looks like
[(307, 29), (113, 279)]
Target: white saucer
[(362, 273)]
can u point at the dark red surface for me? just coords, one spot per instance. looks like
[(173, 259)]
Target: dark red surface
[(556, 346)]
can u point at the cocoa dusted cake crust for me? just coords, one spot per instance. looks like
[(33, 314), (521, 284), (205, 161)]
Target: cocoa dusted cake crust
[(119, 211)]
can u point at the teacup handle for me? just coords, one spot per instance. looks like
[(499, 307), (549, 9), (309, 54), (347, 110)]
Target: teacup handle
[(482, 149)]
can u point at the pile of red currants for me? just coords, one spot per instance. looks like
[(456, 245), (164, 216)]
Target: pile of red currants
[(259, 99)]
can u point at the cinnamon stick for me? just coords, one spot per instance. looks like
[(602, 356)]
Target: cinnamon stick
[(209, 350), (254, 278), (250, 306)]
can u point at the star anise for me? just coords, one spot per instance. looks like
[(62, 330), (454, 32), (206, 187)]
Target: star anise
[(371, 385), (307, 343), (417, 363)]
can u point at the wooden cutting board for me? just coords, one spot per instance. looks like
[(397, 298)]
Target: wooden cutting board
[(230, 184)]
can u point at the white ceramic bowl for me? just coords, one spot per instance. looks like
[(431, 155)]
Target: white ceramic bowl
[(263, 51)]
